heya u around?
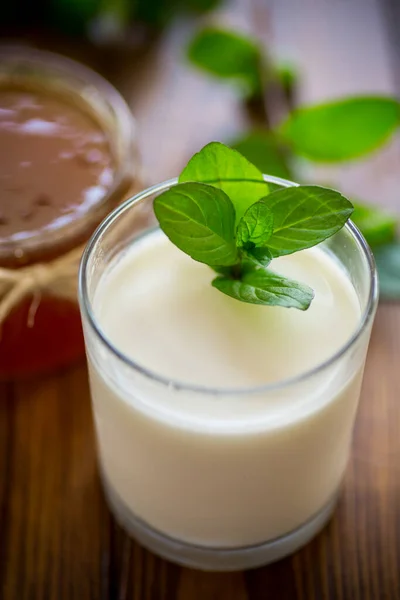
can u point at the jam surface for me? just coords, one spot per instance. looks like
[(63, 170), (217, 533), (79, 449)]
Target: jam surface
[(55, 163)]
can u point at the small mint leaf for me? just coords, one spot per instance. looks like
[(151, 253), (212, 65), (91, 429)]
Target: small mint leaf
[(228, 55), (304, 216), (256, 226), (256, 257), (227, 169), (261, 286), (199, 220), (341, 130)]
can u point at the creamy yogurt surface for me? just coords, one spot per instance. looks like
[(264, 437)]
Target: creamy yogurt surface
[(158, 307)]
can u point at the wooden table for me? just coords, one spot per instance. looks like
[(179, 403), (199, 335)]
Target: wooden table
[(57, 538)]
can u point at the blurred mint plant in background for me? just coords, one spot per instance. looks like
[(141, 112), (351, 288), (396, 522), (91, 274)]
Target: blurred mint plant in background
[(343, 130)]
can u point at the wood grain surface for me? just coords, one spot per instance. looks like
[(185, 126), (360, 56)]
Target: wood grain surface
[(57, 538)]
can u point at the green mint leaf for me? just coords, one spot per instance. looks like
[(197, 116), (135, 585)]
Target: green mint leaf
[(377, 225), (199, 220), (255, 227), (263, 150), (260, 286), (341, 130), (219, 194), (304, 216), (228, 55), (256, 257), (388, 263), (224, 168)]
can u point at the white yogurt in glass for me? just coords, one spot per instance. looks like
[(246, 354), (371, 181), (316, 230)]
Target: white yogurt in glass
[(212, 471), (223, 428)]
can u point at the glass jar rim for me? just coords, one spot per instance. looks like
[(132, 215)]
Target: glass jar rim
[(88, 314), (17, 59)]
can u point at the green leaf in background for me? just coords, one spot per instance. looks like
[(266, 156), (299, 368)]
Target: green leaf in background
[(228, 55), (262, 149), (199, 220), (305, 216), (388, 263), (255, 227), (377, 225), (260, 286), (341, 130), (225, 168)]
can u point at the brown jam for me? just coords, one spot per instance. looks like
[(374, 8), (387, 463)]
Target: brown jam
[(55, 164), (58, 175)]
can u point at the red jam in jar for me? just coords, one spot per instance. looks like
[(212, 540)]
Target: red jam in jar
[(67, 156)]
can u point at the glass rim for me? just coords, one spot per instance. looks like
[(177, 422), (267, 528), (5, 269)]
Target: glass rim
[(19, 56), (88, 315)]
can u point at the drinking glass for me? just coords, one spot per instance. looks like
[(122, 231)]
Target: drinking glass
[(221, 493)]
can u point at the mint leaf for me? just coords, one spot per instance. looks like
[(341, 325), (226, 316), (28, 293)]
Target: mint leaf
[(263, 150), (228, 55), (199, 220), (304, 216), (261, 286), (388, 263), (255, 227), (377, 225), (256, 257), (341, 130), (228, 170)]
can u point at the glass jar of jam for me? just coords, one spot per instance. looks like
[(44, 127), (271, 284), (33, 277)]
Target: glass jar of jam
[(67, 157)]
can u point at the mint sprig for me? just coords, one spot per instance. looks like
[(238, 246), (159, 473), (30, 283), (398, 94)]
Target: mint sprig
[(221, 214)]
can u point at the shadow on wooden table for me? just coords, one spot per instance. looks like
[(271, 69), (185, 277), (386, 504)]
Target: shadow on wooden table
[(137, 573)]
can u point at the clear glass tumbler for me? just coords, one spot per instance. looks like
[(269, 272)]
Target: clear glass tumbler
[(220, 495)]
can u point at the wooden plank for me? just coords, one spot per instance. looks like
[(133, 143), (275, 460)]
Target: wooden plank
[(57, 522)]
